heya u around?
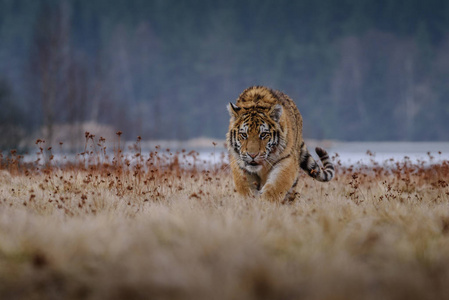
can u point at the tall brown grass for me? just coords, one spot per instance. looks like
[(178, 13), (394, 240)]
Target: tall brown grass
[(147, 226)]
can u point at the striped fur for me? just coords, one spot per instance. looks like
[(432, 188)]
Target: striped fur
[(308, 164), (266, 146)]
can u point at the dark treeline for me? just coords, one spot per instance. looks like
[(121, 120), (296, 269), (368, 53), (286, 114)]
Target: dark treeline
[(358, 69)]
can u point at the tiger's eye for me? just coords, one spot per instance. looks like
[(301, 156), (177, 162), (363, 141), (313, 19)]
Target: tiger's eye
[(263, 135), (243, 135)]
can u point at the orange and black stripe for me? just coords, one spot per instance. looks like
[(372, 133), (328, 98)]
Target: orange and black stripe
[(308, 164)]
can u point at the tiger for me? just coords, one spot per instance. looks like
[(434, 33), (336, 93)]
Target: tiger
[(266, 146)]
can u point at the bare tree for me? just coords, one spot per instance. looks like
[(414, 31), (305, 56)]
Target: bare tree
[(347, 83), (60, 75), (50, 61), (133, 103)]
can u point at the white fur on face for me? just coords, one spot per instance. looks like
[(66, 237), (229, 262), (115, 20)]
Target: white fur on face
[(264, 128), (243, 128)]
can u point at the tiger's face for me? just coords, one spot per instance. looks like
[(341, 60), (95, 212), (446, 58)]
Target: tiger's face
[(254, 136)]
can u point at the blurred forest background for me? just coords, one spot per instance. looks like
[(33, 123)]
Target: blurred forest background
[(166, 69)]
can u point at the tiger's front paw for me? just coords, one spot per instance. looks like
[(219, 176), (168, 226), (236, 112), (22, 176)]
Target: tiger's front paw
[(269, 193)]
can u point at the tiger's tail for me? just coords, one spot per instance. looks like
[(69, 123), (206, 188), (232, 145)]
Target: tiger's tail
[(308, 164)]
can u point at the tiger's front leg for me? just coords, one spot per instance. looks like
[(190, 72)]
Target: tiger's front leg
[(280, 180), (243, 184)]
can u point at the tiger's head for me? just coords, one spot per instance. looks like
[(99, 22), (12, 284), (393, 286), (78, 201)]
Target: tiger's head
[(254, 135)]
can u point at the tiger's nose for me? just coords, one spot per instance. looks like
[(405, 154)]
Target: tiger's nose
[(253, 155)]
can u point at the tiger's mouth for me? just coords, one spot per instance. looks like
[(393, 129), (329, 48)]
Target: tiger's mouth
[(252, 163)]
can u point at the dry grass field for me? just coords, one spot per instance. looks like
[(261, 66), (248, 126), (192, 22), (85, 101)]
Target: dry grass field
[(143, 227)]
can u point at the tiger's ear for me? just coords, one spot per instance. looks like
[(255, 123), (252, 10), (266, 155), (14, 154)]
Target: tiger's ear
[(276, 112), (233, 110)]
